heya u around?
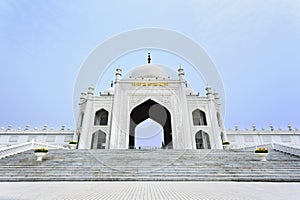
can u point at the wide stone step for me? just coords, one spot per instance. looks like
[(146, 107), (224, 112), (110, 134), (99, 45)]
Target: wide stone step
[(151, 178), (179, 165)]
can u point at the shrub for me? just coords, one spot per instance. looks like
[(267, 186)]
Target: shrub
[(41, 150), (261, 150), (73, 142), (225, 142)]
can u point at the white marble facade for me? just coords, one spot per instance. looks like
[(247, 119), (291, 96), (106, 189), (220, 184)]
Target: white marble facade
[(189, 121)]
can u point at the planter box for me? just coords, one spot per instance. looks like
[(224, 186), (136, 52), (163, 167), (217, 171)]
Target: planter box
[(72, 146), (40, 155), (263, 156)]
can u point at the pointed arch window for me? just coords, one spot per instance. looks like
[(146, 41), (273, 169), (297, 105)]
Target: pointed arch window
[(199, 118), (202, 140), (101, 118), (98, 140), (199, 140)]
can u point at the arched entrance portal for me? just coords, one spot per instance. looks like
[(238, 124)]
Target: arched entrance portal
[(151, 109)]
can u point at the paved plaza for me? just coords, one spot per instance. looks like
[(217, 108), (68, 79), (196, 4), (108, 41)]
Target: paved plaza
[(148, 190)]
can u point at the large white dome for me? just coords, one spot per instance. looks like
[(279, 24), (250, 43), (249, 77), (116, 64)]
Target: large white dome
[(149, 71)]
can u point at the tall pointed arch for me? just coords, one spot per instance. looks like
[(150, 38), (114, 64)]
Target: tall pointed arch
[(101, 117), (155, 111), (98, 140), (199, 118), (202, 140)]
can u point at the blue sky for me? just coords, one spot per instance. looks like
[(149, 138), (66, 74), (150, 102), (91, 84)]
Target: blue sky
[(255, 45)]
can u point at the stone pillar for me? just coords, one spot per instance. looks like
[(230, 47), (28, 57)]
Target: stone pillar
[(85, 136), (186, 134), (215, 130), (218, 104), (115, 124)]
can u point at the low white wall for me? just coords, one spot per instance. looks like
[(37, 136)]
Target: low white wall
[(240, 139), (60, 138)]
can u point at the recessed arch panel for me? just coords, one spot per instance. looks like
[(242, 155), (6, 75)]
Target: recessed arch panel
[(199, 118), (98, 140), (202, 140), (101, 117)]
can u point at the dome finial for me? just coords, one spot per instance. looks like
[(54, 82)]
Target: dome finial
[(149, 58)]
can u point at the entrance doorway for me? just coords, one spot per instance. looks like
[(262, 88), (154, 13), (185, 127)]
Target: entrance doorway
[(156, 112), (149, 135)]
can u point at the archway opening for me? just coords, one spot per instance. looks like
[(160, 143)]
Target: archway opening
[(156, 112), (149, 134), (199, 118), (98, 140), (202, 140), (101, 117)]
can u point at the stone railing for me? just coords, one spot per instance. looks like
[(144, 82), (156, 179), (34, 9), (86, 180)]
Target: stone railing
[(14, 149), (252, 147), (276, 146), (19, 148), (286, 149)]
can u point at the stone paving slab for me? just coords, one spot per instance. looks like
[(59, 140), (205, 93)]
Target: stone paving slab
[(148, 190)]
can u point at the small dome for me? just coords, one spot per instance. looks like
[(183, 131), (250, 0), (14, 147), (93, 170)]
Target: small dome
[(149, 71), (189, 91), (109, 91)]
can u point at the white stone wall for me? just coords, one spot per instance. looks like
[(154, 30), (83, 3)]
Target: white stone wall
[(53, 137), (127, 97), (88, 107), (245, 138)]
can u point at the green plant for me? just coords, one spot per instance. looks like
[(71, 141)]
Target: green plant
[(41, 150), (225, 143), (261, 150), (73, 142)]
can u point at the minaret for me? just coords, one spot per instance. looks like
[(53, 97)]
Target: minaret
[(85, 137), (115, 128), (216, 124), (186, 133)]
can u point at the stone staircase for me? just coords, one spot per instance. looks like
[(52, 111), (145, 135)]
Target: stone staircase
[(150, 165)]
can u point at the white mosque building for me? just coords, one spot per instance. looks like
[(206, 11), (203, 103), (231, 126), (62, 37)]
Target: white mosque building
[(189, 121)]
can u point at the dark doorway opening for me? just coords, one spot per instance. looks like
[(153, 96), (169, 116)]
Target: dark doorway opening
[(156, 112)]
